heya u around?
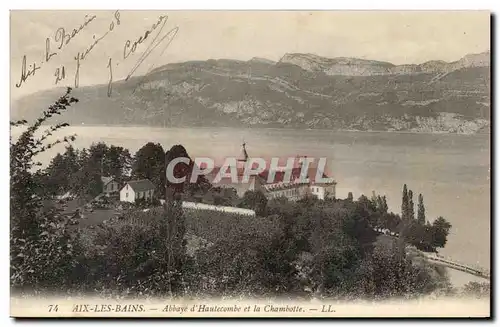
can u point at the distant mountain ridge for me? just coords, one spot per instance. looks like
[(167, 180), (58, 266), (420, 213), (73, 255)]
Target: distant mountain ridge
[(362, 67), (298, 91)]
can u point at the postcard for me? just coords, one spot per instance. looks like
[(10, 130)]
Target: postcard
[(250, 164)]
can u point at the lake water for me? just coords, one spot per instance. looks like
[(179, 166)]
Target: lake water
[(451, 171)]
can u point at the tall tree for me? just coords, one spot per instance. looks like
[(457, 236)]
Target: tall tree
[(173, 227), (87, 183), (421, 210), (350, 197), (56, 175), (385, 207), (71, 157), (411, 206), (97, 158), (404, 204), (61, 171), (117, 162), (149, 163)]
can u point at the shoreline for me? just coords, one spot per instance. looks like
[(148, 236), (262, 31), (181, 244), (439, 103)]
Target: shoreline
[(278, 129)]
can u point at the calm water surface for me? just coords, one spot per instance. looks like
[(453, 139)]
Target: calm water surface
[(451, 171)]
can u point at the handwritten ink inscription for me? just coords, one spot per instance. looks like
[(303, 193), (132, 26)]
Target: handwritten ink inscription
[(26, 72), (62, 38), (80, 57), (131, 47), (60, 74)]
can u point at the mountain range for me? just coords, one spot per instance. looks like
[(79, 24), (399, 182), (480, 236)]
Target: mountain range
[(298, 91)]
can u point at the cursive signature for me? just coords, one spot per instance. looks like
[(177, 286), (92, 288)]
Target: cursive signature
[(110, 83), (154, 43), (153, 38), (130, 47), (82, 55), (62, 38), (25, 72)]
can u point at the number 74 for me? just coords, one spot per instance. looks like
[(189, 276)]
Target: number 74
[(53, 308)]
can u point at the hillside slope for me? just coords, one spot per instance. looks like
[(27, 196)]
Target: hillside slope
[(299, 91)]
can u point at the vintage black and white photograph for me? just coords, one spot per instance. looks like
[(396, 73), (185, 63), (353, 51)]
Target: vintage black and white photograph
[(250, 163)]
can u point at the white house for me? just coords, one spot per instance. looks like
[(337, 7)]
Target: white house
[(109, 185), (140, 189), (324, 190)]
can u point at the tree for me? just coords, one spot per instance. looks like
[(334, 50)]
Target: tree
[(380, 203), (86, 182), (440, 230), (187, 188), (411, 206), (221, 196), (421, 210), (255, 200), (383, 204), (117, 163), (404, 204), (24, 202), (350, 197), (149, 163), (41, 248), (60, 172), (56, 179)]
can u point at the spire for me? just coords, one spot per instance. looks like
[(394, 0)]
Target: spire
[(245, 154)]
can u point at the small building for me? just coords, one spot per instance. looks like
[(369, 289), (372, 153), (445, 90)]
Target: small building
[(324, 190), (109, 185), (254, 182), (274, 185), (292, 191), (135, 190), (66, 196)]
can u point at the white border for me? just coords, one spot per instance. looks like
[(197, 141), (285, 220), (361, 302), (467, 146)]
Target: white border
[(492, 5)]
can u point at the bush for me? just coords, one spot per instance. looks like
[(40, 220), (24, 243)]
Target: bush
[(43, 252), (215, 225), (48, 262), (134, 256), (477, 290)]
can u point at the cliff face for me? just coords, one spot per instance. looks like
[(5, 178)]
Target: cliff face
[(299, 91), (338, 66), (361, 67)]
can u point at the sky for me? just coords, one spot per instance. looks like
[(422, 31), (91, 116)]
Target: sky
[(398, 37)]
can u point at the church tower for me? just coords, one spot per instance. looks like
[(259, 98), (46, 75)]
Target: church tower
[(244, 152), (242, 161)]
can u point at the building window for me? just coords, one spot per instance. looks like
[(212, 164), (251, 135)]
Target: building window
[(126, 195)]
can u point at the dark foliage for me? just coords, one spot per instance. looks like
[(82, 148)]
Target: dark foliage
[(297, 249)]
